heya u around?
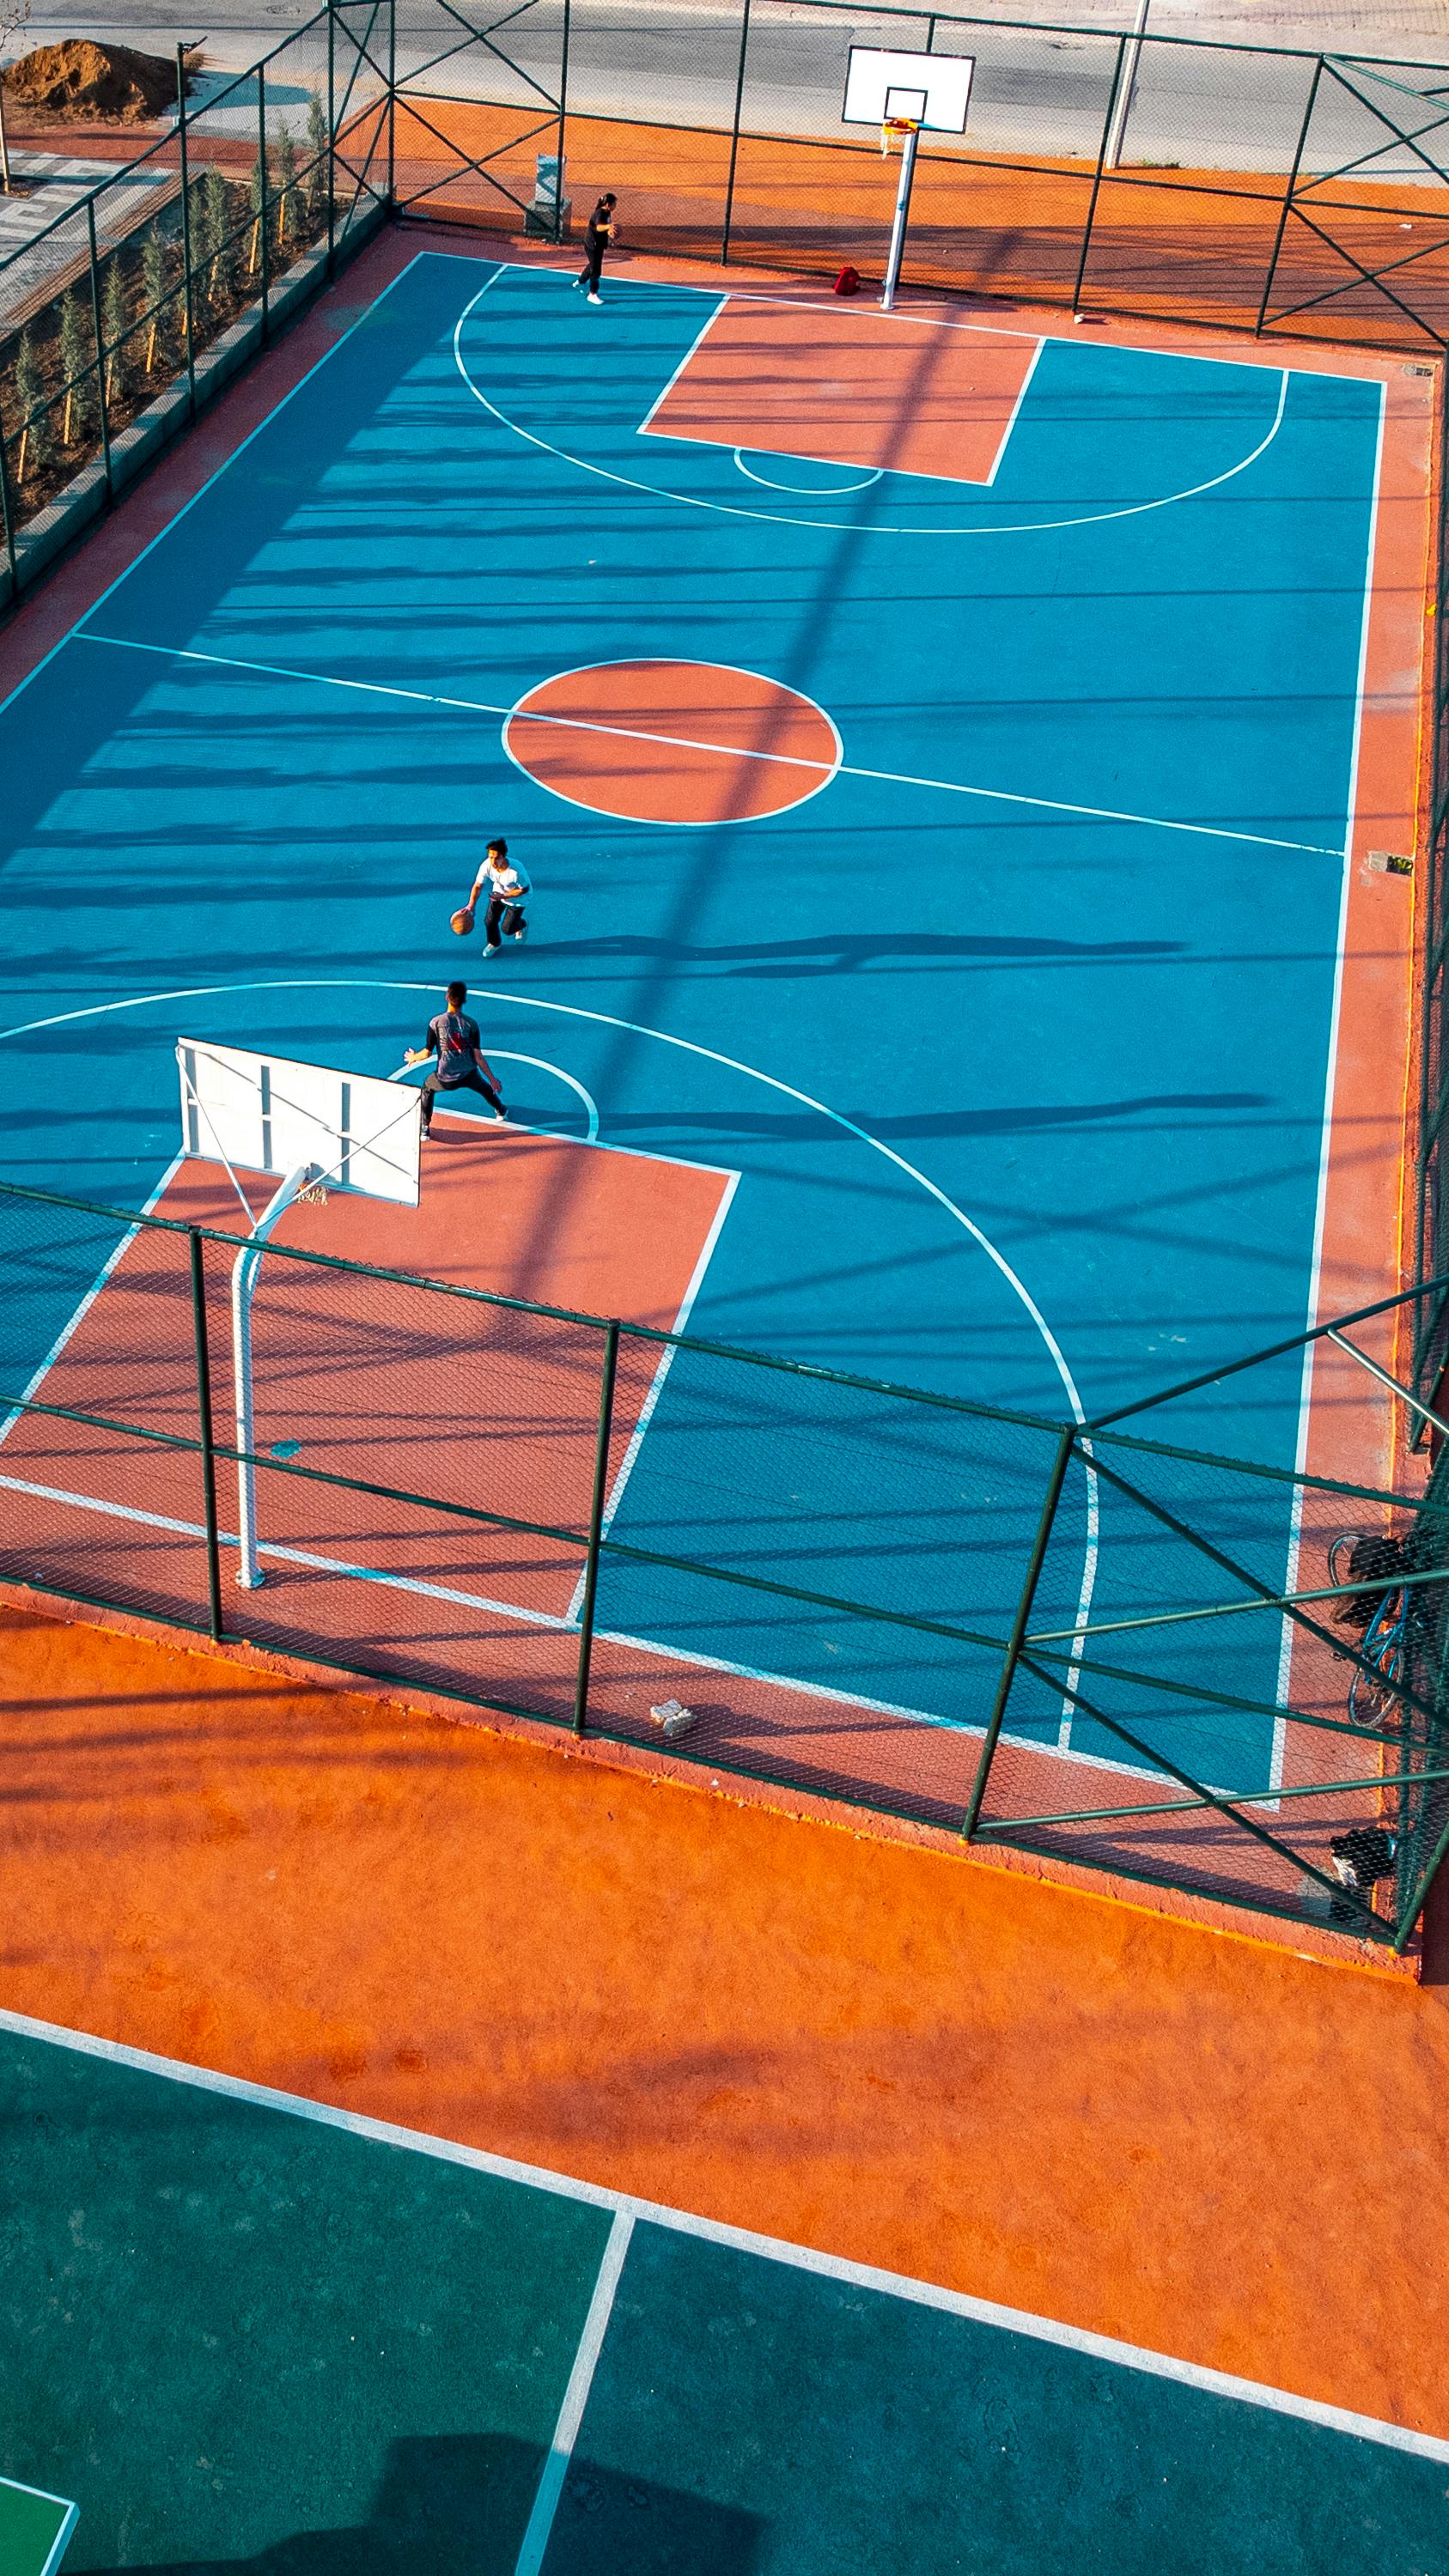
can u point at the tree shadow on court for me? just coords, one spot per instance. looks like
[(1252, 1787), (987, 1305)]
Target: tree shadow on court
[(458, 2505)]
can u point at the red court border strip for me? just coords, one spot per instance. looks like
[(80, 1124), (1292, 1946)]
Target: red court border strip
[(1361, 1210)]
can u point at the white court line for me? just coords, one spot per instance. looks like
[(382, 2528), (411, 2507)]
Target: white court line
[(803, 455), (820, 771), (807, 491), (224, 467), (1033, 362), (576, 2397), (656, 1383), (689, 1658), (846, 527), (92, 1293), (742, 2240), (1320, 1213), (684, 742)]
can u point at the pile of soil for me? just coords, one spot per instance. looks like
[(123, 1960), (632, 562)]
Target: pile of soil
[(87, 84)]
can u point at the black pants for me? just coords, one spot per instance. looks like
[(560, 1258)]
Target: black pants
[(472, 1081), (501, 914), (593, 267)]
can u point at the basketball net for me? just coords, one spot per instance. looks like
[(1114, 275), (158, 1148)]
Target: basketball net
[(894, 131)]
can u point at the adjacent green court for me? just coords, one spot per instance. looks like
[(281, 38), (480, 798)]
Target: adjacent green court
[(246, 2331)]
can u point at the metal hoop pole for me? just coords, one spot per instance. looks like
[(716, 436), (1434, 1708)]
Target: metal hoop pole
[(902, 218)]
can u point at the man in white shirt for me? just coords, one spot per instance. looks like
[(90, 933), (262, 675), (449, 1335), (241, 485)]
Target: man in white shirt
[(505, 889)]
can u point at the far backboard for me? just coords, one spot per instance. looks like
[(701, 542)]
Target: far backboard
[(266, 1114), (934, 89)]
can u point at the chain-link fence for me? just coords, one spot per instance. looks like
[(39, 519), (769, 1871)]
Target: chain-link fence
[(1094, 1641), (1156, 175), (124, 313)]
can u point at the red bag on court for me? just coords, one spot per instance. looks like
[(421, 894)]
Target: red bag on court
[(848, 282)]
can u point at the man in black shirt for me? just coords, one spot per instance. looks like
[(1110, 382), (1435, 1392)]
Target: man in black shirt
[(598, 234), (456, 1041)]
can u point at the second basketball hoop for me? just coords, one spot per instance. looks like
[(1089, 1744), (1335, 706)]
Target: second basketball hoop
[(905, 95)]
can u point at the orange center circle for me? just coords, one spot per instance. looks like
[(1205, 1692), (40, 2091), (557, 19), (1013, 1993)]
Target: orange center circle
[(673, 742)]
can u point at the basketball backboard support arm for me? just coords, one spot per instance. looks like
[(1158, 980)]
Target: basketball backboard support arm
[(926, 93), (319, 1127)]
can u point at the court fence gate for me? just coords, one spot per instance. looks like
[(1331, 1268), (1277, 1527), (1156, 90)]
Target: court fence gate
[(1101, 1642), (1164, 177)]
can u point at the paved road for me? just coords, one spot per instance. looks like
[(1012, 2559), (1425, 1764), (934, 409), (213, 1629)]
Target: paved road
[(1033, 93)]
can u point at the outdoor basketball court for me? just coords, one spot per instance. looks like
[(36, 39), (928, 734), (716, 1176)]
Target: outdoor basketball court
[(275, 2335), (936, 745)]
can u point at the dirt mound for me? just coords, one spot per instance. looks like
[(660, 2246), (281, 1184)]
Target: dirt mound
[(85, 83)]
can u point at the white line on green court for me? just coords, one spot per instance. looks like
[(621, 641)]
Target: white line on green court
[(769, 2249), (575, 2397)]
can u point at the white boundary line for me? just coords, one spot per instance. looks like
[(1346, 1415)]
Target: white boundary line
[(689, 1658), (200, 493), (117, 1252), (70, 2512), (575, 2397), (656, 1383), (768, 2249), (696, 344), (845, 527), (683, 742), (1032, 364), (1325, 1147)]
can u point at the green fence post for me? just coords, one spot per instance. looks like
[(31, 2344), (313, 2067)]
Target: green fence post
[(188, 317), (1118, 75), (596, 1525), (729, 212), (563, 118), (331, 136), (392, 106), (263, 207), (1286, 208), (7, 513), (1017, 1639), (208, 1450), (100, 352)]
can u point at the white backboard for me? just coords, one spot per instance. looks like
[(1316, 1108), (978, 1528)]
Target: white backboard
[(935, 89), (265, 1114)]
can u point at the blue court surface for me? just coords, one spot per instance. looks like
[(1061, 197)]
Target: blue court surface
[(1018, 1031), (260, 2333)]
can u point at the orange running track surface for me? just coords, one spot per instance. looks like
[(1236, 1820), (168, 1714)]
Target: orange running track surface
[(850, 385), (1195, 2142)]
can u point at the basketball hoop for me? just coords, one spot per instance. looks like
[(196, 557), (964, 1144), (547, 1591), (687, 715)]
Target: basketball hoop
[(894, 131)]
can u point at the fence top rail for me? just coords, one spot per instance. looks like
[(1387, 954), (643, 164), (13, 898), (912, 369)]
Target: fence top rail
[(1104, 35), (125, 170), (1274, 1351), (137, 1220)]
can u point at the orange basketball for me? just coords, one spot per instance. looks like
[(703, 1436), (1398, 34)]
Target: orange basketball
[(463, 921)]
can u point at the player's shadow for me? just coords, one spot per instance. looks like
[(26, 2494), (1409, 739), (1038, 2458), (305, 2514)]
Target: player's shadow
[(455, 2505)]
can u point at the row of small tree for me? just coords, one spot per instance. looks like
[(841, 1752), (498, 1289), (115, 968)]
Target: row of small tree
[(234, 226)]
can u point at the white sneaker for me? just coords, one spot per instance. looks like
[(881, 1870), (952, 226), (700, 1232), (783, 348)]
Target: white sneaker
[(596, 299), (495, 951)]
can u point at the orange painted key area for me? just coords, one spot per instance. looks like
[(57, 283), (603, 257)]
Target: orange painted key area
[(379, 1381), (850, 385), (1198, 2143)]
